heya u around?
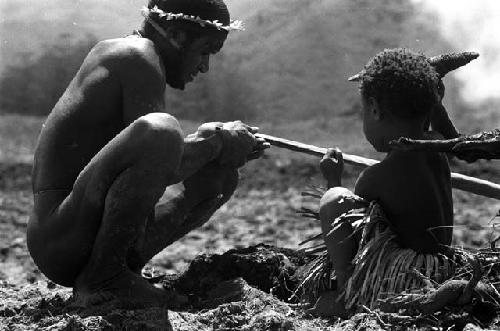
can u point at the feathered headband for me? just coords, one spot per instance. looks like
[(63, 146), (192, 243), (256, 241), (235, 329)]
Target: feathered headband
[(235, 25)]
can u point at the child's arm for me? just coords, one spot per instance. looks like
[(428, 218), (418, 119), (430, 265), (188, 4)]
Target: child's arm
[(332, 166), (440, 121)]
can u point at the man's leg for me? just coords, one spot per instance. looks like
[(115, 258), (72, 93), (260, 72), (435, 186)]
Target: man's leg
[(129, 200), (182, 208), (107, 209)]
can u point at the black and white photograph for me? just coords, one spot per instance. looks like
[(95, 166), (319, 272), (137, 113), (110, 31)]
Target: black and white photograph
[(249, 165)]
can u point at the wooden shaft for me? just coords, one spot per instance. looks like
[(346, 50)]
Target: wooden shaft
[(440, 145), (458, 181), (314, 150), (475, 185)]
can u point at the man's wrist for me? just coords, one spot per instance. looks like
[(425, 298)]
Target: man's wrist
[(211, 142)]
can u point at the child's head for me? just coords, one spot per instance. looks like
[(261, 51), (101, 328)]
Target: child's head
[(398, 89)]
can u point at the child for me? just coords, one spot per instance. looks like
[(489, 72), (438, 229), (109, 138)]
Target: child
[(413, 189)]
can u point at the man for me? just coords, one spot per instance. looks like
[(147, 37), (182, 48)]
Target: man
[(114, 180)]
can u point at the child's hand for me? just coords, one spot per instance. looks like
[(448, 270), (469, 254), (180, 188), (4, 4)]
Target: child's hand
[(332, 166)]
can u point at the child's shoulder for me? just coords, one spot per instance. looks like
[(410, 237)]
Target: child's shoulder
[(376, 174), (369, 178), (400, 169)]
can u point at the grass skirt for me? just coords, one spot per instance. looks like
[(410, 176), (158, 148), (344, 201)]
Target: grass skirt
[(382, 268)]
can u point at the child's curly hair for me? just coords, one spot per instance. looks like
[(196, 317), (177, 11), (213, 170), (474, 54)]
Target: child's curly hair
[(401, 80)]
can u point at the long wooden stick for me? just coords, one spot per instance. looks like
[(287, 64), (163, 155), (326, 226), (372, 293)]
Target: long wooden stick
[(479, 148), (458, 181), (314, 150)]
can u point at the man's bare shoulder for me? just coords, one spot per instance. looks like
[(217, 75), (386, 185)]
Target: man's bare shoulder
[(132, 54)]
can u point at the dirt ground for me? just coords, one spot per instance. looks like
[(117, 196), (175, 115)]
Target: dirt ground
[(263, 210)]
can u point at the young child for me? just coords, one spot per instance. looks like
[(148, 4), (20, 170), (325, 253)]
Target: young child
[(399, 91)]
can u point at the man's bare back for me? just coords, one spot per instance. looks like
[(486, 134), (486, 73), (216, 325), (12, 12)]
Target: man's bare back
[(97, 105), (114, 180)]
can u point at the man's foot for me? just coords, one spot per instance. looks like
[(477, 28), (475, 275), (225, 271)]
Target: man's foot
[(127, 289), (329, 304)]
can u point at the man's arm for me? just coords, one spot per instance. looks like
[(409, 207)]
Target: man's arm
[(230, 144), (199, 150), (143, 91), (143, 84)]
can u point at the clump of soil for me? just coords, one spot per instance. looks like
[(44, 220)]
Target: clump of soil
[(268, 268)]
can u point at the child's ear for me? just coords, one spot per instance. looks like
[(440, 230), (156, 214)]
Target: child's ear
[(176, 37), (375, 109)]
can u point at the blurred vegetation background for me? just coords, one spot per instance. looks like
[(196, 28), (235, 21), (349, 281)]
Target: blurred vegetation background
[(287, 72)]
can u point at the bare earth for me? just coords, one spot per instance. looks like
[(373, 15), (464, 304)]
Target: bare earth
[(262, 211)]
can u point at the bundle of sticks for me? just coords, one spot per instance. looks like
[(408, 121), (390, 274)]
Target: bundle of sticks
[(483, 145), (458, 181)]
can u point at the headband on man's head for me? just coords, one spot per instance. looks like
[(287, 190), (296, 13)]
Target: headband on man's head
[(235, 25)]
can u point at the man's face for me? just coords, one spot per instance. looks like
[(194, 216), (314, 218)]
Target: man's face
[(195, 56)]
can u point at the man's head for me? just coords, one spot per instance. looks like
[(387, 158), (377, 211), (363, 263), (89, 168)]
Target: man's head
[(186, 45), (398, 87)]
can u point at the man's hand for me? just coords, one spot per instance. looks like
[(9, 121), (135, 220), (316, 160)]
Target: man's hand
[(259, 149), (332, 166), (208, 129), (239, 143)]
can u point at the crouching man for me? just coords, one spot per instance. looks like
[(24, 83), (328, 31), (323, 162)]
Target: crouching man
[(114, 179)]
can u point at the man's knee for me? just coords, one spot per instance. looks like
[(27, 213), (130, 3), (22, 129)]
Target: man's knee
[(161, 135), (160, 128)]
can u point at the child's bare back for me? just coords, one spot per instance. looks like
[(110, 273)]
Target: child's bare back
[(414, 191)]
